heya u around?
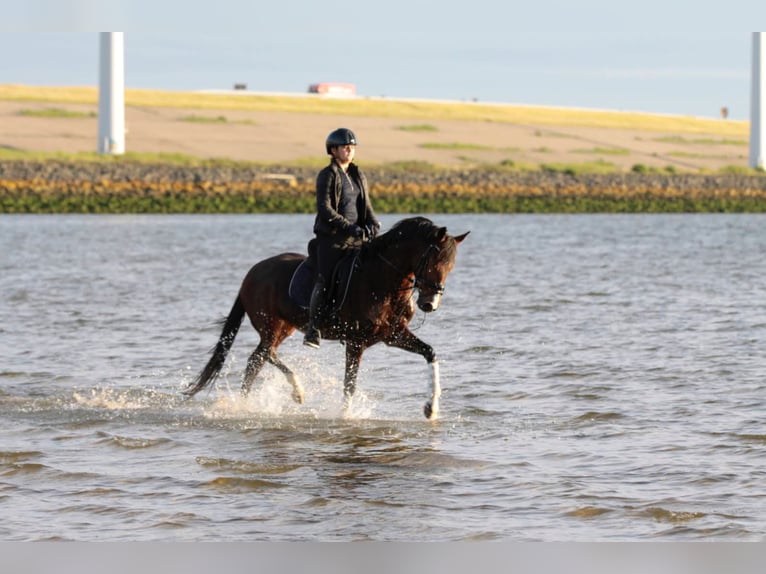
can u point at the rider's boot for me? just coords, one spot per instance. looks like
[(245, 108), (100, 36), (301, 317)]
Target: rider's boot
[(312, 336)]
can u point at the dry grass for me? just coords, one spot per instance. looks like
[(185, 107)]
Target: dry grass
[(388, 108), (289, 130)]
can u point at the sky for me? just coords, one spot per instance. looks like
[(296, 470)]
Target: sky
[(661, 56)]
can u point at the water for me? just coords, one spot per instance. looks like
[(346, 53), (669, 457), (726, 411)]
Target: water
[(603, 380)]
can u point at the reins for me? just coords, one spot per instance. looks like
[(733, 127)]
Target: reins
[(416, 282)]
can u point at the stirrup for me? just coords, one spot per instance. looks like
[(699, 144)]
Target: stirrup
[(312, 338)]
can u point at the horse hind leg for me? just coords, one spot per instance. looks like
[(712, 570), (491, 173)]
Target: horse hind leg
[(254, 366), (297, 394), (267, 351)]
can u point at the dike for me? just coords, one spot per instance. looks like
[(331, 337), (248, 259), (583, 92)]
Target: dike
[(127, 187)]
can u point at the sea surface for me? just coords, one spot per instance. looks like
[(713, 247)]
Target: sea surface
[(604, 379)]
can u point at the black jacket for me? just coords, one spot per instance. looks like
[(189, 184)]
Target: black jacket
[(329, 188)]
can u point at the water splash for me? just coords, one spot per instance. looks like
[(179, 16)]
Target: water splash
[(115, 399)]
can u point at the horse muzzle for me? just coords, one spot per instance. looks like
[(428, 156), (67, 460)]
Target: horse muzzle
[(429, 304)]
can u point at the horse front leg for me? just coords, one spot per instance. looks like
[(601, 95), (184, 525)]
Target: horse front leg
[(407, 341), (354, 353)]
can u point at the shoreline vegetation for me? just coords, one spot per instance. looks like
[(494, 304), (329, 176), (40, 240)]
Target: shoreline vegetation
[(34, 181), (131, 187)]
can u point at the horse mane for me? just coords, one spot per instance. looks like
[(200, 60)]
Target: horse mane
[(418, 227), (402, 230)]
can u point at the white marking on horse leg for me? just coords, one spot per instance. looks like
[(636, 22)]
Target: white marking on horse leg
[(297, 395), (432, 406), (346, 405)]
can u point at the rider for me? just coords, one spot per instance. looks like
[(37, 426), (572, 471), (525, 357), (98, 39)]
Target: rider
[(344, 218)]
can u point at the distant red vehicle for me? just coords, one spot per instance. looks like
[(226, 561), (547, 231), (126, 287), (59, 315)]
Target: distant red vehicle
[(333, 89)]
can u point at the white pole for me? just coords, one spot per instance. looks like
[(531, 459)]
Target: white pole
[(111, 94), (757, 102)]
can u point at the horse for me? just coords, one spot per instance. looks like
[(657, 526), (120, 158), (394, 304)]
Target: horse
[(415, 254)]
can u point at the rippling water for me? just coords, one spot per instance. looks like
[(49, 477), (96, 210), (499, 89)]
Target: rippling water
[(603, 380)]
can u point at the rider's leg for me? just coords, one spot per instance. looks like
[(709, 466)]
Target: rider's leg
[(312, 336), (328, 253)]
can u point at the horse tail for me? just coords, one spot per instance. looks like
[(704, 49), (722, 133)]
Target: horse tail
[(215, 364)]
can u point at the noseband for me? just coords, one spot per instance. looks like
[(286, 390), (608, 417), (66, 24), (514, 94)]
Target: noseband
[(418, 281)]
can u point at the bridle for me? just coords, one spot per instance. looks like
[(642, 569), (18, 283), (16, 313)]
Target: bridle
[(418, 281)]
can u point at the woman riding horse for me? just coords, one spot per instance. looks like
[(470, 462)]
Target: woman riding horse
[(344, 219), (414, 255)]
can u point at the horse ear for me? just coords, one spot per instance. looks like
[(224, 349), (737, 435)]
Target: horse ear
[(459, 238), (441, 234)]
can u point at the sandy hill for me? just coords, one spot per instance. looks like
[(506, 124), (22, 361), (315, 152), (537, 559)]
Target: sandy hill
[(286, 137)]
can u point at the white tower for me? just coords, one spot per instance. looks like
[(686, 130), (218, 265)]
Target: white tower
[(757, 102), (111, 93)]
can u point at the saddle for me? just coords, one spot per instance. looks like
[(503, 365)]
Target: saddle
[(302, 281)]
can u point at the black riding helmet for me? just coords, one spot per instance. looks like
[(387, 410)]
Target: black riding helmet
[(341, 136)]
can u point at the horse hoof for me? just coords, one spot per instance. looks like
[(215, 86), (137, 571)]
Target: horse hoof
[(298, 398), (428, 411)]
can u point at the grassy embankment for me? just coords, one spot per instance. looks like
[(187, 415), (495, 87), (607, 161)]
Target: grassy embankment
[(551, 187)]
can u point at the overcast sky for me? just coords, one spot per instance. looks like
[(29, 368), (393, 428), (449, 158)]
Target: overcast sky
[(655, 55)]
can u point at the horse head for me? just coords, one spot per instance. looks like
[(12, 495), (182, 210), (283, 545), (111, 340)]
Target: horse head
[(437, 261), (427, 254)]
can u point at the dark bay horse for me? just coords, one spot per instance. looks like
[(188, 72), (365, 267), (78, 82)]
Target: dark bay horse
[(413, 255)]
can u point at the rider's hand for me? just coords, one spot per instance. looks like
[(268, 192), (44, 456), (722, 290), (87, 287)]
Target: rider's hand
[(371, 231), (356, 232)]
